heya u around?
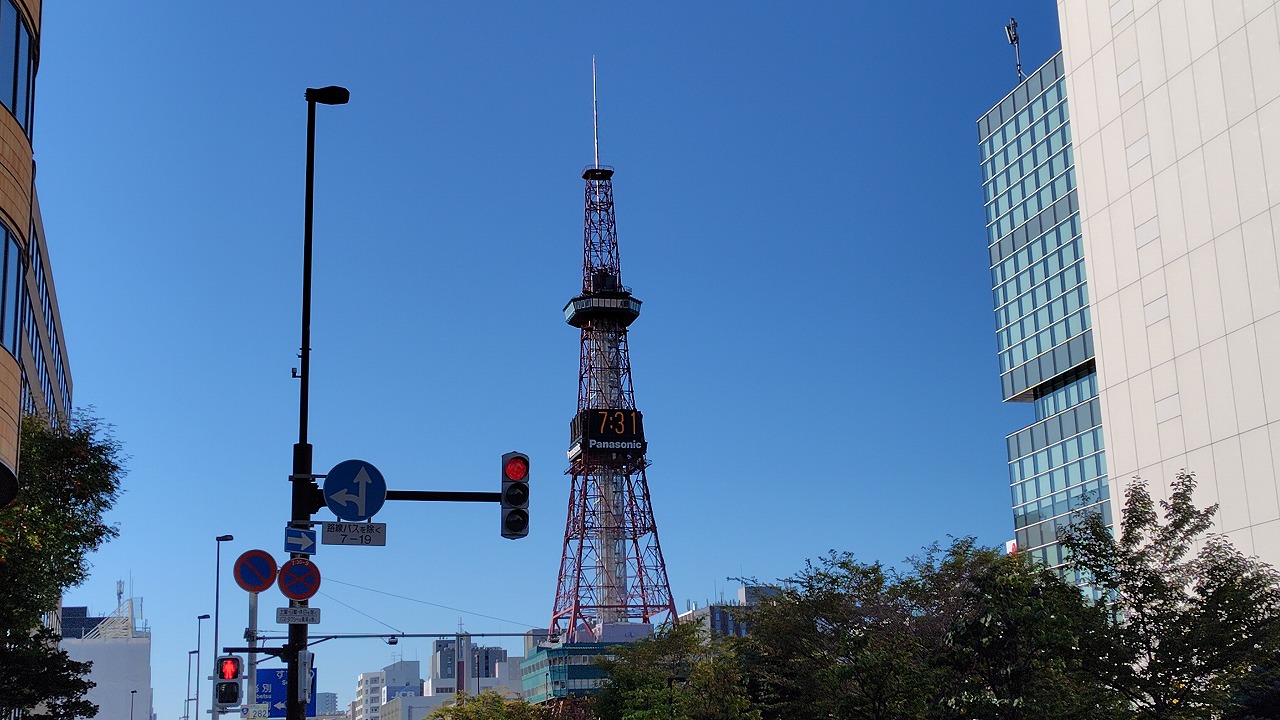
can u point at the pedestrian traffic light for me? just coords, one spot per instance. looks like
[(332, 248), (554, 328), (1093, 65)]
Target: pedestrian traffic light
[(228, 688), (515, 495)]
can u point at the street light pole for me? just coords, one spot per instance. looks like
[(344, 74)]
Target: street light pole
[(199, 625), (217, 586), (132, 694), (304, 484), (186, 699)]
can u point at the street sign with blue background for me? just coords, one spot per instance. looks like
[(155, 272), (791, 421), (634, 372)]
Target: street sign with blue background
[(272, 691), (255, 571), (299, 540), (354, 490)]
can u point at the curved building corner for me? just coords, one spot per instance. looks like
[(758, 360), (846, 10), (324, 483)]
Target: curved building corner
[(34, 372)]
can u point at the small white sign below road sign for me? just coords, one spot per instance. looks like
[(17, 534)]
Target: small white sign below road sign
[(298, 615), (354, 533)]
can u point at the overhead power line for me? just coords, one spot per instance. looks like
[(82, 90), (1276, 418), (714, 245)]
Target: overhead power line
[(426, 602)]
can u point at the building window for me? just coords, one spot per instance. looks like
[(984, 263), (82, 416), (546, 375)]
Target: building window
[(11, 296), (16, 63)]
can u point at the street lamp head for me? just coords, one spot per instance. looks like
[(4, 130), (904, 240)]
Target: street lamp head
[(331, 95), (224, 538), (202, 617)]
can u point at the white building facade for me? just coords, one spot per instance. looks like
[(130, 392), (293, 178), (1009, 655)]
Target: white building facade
[(368, 702), (1175, 118), (119, 646)]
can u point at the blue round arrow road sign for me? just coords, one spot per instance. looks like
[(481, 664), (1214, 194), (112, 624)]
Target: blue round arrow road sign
[(299, 579), (255, 571), (354, 490)]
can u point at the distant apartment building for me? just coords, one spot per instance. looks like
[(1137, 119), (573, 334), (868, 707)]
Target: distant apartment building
[(375, 689), (401, 679), (326, 703), (413, 708), (480, 667), (368, 700), (725, 618)]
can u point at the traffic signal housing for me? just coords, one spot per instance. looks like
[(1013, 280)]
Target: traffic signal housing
[(305, 658), (515, 495), (228, 683)]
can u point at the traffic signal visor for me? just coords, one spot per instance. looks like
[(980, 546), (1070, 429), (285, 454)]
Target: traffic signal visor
[(515, 495)]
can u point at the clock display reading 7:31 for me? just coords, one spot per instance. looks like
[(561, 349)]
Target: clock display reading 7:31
[(617, 423)]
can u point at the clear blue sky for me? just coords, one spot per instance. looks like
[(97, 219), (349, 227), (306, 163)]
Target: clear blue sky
[(798, 207)]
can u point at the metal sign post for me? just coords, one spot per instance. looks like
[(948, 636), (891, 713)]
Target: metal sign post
[(251, 634)]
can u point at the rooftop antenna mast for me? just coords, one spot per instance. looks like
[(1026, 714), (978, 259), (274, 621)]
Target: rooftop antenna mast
[(1010, 30)]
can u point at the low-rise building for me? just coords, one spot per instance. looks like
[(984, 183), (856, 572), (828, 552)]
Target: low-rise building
[(119, 646)]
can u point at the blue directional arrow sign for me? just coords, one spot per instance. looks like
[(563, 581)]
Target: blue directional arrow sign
[(354, 490), (272, 691), (299, 540)]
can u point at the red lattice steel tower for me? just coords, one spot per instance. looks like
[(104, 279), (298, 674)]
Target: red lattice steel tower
[(611, 571)]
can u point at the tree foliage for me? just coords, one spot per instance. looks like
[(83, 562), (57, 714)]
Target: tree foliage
[(488, 705), (838, 640), (963, 633), (1186, 627), (1008, 640), (69, 477), (1192, 615), (682, 672), (41, 678)]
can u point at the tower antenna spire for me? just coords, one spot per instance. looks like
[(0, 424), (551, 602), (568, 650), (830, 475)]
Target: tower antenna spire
[(595, 111)]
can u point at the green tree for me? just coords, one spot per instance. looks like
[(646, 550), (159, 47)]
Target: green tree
[(488, 705), (38, 674), (1008, 639), (837, 640), (69, 477), (962, 632), (682, 672), (1258, 697), (1192, 615)]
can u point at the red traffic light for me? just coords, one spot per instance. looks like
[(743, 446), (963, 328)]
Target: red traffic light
[(229, 668), (517, 468)]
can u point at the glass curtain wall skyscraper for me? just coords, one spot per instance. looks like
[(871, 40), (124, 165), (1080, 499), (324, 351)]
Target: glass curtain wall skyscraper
[(1044, 340)]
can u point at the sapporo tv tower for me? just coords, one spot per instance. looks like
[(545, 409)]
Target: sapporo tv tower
[(612, 574)]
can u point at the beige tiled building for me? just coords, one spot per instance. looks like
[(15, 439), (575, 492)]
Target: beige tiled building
[(1175, 120)]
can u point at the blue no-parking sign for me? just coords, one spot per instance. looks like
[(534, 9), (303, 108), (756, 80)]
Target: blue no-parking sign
[(255, 570)]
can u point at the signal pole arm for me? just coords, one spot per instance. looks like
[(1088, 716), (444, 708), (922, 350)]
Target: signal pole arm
[(444, 496), (313, 497)]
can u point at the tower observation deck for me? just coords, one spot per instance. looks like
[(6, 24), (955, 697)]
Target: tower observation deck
[(613, 580)]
